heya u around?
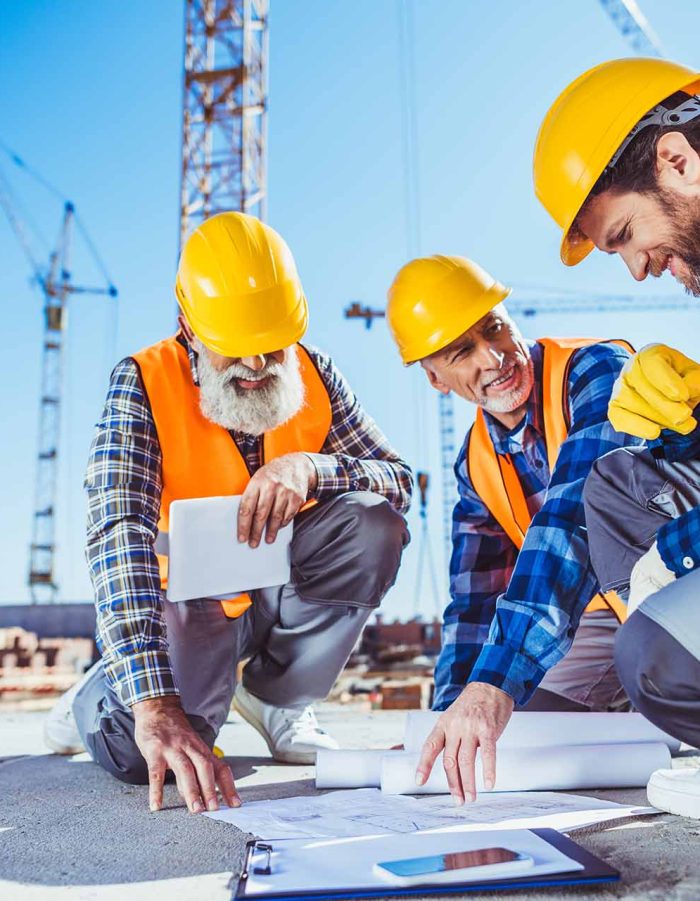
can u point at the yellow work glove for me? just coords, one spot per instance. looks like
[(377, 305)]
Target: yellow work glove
[(657, 389)]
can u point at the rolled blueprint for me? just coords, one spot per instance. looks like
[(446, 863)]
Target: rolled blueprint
[(541, 769), (350, 769), (546, 730)]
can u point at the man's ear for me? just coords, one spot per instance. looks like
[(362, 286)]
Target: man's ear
[(434, 379), (677, 163), (186, 330)]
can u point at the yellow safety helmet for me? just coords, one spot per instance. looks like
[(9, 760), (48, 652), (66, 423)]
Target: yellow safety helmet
[(434, 300), (238, 286), (585, 127)]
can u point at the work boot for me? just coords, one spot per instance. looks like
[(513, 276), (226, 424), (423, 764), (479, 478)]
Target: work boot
[(676, 791), (60, 729), (292, 735)]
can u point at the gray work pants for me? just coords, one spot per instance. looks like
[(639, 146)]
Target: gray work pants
[(345, 554), (628, 496)]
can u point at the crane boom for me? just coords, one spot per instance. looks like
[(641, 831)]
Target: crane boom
[(634, 27)]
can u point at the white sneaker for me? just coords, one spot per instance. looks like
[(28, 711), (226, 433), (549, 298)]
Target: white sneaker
[(293, 736), (60, 729), (676, 791)]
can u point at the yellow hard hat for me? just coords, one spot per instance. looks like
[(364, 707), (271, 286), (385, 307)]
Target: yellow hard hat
[(238, 286), (585, 127), (434, 300)]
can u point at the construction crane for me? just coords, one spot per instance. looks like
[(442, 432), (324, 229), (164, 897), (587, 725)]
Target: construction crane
[(633, 25), (224, 119), (56, 283)]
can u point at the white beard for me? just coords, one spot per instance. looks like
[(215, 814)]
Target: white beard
[(252, 411)]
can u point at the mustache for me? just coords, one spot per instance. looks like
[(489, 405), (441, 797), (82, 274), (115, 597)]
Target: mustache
[(658, 261), (510, 360), (271, 369)]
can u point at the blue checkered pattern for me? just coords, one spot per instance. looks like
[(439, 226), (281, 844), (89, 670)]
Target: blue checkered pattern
[(123, 484), (678, 541), (513, 615)]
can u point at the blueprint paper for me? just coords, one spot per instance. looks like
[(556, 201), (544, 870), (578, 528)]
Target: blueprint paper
[(358, 812)]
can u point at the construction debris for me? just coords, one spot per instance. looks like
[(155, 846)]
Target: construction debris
[(31, 666)]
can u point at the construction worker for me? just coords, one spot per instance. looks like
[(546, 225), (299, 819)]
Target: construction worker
[(617, 165), (520, 572), (231, 405)]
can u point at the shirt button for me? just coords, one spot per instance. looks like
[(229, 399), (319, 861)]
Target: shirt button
[(539, 464), (688, 563)]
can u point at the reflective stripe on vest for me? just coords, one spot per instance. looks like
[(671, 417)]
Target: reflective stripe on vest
[(200, 458), (494, 476)]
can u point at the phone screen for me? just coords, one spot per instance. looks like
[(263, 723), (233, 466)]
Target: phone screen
[(445, 863)]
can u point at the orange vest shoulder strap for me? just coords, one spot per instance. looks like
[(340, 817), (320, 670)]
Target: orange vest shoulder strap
[(556, 360), (495, 480)]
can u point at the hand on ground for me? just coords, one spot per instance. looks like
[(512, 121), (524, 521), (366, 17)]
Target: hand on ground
[(167, 741)]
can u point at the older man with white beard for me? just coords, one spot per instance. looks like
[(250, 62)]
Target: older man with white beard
[(520, 575), (231, 405)]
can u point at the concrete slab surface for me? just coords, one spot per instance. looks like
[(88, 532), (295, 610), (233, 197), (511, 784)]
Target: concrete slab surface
[(70, 831)]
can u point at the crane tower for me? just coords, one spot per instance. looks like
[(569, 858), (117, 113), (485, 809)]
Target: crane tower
[(224, 110)]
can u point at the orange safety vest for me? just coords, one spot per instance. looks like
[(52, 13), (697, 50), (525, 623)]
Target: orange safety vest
[(200, 458), (494, 476)]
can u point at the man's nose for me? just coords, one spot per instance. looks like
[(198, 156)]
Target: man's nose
[(638, 264), (489, 357), (255, 363)]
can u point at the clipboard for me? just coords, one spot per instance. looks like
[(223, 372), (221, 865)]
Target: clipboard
[(595, 871)]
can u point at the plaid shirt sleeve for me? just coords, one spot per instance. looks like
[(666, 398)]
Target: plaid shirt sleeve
[(123, 485), (356, 455), (482, 561), (678, 542), (552, 582)]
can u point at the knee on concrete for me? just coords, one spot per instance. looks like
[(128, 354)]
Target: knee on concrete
[(125, 763)]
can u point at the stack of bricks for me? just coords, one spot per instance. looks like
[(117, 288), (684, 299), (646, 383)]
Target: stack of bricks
[(35, 666)]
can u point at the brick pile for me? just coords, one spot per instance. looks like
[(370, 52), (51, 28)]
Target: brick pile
[(31, 666)]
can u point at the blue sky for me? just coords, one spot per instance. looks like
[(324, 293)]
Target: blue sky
[(92, 99)]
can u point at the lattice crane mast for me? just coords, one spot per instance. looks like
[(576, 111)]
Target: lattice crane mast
[(224, 119), (56, 283)]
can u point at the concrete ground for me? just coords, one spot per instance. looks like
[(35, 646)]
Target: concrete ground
[(70, 831)]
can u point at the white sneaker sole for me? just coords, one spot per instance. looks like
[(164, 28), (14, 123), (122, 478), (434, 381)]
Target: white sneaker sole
[(283, 756), (661, 794)]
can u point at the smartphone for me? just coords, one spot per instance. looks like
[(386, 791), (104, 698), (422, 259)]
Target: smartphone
[(456, 866)]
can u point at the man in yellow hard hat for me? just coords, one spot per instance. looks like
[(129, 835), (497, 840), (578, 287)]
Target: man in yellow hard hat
[(617, 165), (520, 577), (231, 405)]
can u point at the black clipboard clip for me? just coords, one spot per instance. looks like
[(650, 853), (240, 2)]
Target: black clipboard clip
[(250, 849)]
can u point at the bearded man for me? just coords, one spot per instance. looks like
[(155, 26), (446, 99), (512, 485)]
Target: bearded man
[(231, 405), (520, 573), (617, 166)]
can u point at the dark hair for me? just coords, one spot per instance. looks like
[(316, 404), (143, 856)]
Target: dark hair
[(636, 168)]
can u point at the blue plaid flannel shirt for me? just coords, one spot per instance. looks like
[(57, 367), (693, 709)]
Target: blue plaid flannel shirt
[(678, 541), (513, 615), (123, 484)]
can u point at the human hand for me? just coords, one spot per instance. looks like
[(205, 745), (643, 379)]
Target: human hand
[(475, 720), (167, 741), (657, 389), (649, 575), (274, 496)]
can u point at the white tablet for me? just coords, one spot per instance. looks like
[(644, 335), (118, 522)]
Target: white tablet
[(206, 560)]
